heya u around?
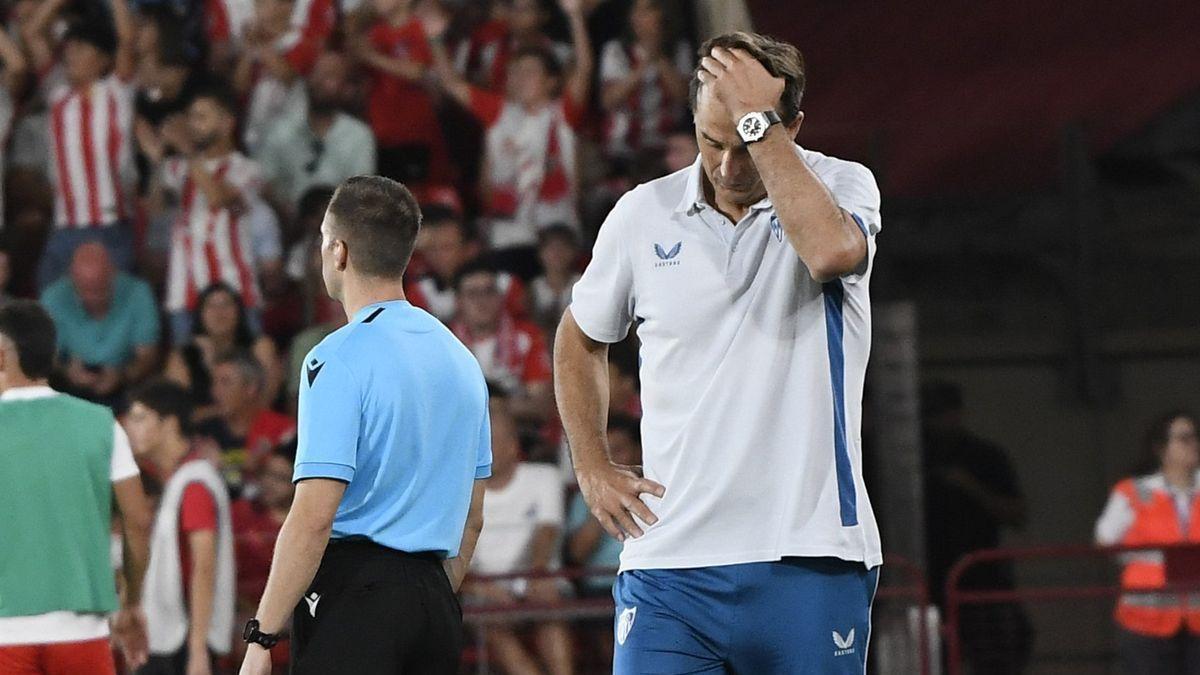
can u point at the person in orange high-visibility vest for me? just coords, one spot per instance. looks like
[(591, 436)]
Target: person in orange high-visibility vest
[(1159, 632)]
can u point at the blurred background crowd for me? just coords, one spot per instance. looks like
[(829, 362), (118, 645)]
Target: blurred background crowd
[(168, 167), (168, 162)]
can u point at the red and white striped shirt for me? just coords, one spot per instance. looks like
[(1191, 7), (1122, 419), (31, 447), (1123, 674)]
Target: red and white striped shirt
[(210, 244), (91, 134)]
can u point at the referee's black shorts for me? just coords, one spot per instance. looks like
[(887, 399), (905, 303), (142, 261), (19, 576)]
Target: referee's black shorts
[(372, 610)]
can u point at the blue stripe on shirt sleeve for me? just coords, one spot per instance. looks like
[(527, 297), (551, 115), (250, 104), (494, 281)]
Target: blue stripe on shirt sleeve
[(323, 470), (483, 471)]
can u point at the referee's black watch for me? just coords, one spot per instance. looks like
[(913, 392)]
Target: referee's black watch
[(252, 635)]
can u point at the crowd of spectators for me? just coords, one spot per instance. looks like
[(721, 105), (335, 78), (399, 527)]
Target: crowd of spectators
[(167, 165)]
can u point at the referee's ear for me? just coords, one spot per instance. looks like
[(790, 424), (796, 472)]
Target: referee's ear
[(341, 255)]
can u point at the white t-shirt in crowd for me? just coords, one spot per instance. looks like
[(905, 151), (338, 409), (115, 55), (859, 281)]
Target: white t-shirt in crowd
[(512, 516), (752, 373)]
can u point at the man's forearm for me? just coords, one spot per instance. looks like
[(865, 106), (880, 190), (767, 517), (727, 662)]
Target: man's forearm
[(814, 224), (545, 541), (135, 556), (581, 388), (297, 556), (200, 606), (456, 568)]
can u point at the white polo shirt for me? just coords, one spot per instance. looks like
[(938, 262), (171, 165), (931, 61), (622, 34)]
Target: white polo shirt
[(752, 373)]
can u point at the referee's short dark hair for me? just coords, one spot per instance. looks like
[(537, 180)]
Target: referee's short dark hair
[(378, 219), (167, 399), (31, 330)]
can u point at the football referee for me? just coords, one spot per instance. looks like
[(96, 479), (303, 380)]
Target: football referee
[(393, 439)]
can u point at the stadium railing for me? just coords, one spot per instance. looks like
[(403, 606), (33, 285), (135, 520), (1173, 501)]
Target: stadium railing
[(1058, 617)]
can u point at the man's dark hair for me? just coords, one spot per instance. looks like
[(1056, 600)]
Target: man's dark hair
[(440, 215), (1158, 435), (32, 332), (168, 399), (248, 366), (219, 94), (558, 232), (437, 214), (544, 54), (476, 266), (779, 58), (378, 219), (96, 31)]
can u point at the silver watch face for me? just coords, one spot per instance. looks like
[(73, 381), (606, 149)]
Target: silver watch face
[(752, 126)]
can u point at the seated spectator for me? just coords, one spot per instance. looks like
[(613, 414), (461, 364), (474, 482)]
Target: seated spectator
[(550, 293), (107, 325), (445, 247), (256, 524), (93, 182), (320, 145), (215, 238), (644, 78), (515, 24), (588, 545), (188, 593), (511, 352), (222, 325), (395, 51), (244, 429), (530, 175), (522, 524)]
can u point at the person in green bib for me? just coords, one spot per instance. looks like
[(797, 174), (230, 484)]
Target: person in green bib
[(62, 460)]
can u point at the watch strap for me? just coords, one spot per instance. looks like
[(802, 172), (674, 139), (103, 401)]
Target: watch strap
[(252, 635)]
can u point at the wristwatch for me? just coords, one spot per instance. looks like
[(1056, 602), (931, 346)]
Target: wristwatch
[(753, 126), (253, 635)]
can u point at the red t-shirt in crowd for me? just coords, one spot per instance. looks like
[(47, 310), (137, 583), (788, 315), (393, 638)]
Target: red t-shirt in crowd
[(269, 430), (401, 111), (254, 535)]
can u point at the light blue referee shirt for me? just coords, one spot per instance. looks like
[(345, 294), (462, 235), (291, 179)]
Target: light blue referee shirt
[(394, 405)]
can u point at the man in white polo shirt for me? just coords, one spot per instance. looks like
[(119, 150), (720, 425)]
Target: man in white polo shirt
[(754, 547)]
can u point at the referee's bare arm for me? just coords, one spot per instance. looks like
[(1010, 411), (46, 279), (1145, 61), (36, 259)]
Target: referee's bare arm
[(456, 568), (824, 235), (298, 551), (612, 492)]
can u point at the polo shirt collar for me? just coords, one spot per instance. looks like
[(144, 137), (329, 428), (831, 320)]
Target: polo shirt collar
[(28, 393), (693, 193)]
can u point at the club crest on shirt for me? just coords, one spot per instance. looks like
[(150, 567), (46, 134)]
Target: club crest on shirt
[(667, 258), (625, 624), (776, 228)]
